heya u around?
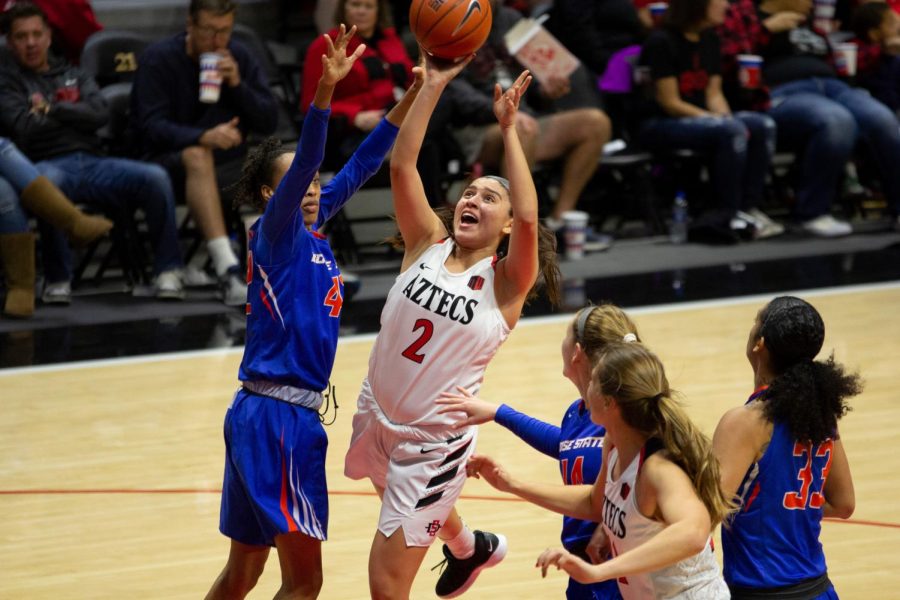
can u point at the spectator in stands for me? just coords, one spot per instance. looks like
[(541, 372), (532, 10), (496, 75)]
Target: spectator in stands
[(52, 111), (23, 187), (375, 83), (877, 30), (203, 145), (72, 23), (689, 110), (575, 136), (823, 117), (742, 32)]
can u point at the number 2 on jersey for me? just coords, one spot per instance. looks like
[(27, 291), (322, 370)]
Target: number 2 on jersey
[(798, 500), (412, 351)]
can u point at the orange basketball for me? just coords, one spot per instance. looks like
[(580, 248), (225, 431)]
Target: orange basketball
[(450, 29)]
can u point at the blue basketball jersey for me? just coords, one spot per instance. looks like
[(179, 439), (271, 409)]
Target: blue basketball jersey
[(578, 445), (294, 287), (773, 540)]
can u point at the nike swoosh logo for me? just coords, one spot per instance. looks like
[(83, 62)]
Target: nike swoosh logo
[(473, 6), (423, 266), (424, 451), (490, 546)]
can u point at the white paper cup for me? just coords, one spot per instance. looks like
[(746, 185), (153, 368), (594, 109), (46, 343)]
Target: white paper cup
[(823, 15), (574, 224), (657, 11), (845, 59), (210, 78)]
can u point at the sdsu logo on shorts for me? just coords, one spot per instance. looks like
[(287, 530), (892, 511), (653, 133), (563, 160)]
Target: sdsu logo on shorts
[(433, 527)]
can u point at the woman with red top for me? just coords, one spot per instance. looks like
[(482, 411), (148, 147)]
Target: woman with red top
[(372, 87)]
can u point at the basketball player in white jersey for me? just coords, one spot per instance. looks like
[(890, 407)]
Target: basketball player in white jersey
[(462, 286), (657, 496)]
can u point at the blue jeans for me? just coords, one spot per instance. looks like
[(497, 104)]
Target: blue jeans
[(16, 172), (824, 118), (112, 185), (740, 148), (12, 217)]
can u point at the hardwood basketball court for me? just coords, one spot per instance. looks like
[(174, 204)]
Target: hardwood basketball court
[(110, 471)]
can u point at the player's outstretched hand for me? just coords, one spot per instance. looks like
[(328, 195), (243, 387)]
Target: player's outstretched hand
[(506, 104), (335, 62), (440, 71), (475, 410), (485, 467), (577, 569)]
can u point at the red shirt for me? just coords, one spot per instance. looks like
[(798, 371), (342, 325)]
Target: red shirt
[(371, 82)]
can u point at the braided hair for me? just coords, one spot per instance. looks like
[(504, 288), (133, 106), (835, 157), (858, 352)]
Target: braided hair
[(258, 170), (808, 395)]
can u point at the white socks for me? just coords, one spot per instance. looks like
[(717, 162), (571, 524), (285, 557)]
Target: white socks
[(463, 545), (222, 255)]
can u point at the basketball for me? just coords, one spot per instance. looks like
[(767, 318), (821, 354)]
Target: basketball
[(450, 29)]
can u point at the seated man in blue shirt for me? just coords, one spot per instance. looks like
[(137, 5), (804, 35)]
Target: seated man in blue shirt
[(202, 144)]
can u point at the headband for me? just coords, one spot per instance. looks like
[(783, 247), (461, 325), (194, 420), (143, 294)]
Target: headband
[(581, 321), (501, 180)]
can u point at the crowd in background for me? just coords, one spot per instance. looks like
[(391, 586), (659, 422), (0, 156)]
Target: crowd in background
[(731, 84)]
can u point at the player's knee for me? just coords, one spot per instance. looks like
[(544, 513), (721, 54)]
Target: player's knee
[(306, 589)]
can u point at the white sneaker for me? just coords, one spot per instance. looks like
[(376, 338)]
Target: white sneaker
[(233, 287), (57, 293), (766, 227), (169, 285), (827, 226)]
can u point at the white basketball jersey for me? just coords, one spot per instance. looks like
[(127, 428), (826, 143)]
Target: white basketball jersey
[(439, 330), (694, 578)]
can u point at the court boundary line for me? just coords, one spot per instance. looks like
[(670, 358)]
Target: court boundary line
[(525, 322)]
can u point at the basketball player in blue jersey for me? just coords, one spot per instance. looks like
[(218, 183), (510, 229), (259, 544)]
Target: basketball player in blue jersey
[(461, 289), (782, 457), (274, 492), (657, 496), (578, 443)]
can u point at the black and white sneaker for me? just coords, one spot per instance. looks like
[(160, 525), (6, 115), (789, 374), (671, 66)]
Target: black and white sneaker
[(458, 575)]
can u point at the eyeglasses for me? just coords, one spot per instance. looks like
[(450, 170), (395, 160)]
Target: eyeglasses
[(208, 31)]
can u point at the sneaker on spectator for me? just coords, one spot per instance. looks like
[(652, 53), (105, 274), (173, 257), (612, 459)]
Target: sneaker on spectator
[(596, 242), (233, 287), (458, 575), (827, 226), (742, 225), (57, 293), (169, 285), (766, 227)]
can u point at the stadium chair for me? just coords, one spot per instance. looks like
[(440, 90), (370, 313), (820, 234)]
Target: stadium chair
[(111, 55)]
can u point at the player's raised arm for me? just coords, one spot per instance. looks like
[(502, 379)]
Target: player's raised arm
[(419, 225), (519, 270)]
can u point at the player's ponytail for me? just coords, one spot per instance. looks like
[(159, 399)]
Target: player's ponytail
[(257, 171), (636, 379), (808, 395)]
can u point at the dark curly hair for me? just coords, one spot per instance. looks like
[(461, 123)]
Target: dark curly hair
[(547, 259), (808, 395), (257, 171)]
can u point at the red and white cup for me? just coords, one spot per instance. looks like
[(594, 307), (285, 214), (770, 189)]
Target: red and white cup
[(750, 71), (657, 11), (210, 78), (845, 59), (575, 229), (823, 15)]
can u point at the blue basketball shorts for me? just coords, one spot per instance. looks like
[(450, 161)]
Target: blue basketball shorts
[(274, 471)]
